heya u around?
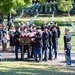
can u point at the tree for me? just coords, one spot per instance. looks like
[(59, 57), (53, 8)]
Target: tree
[(7, 6), (42, 1), (64, 5)]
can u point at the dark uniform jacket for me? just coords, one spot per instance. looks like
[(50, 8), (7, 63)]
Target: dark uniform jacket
[(42, 27), (38, 40), (58, 30), (55, 37), (17, 36), (67, 39), (45, 39), (50, 38)]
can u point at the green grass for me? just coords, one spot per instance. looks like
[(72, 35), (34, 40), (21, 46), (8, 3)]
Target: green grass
[(33, 68)]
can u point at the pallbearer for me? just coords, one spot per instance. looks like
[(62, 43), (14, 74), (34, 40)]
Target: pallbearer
[(45, 40), (38, 45), (67, 46), (55, 41), (50, 44)]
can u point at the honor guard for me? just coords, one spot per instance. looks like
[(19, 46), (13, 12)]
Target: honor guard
[(54, 41), (17, 41), (38, 45), (50, 44), (67, 46), (45, 39)]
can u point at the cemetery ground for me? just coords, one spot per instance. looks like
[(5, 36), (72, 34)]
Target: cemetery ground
[(56, 67)]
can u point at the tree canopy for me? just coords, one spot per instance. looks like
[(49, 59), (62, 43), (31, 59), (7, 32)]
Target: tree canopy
[(64, 5), (9, 5)]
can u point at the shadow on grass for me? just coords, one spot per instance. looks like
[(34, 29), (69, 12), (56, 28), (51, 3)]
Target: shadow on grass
[(51, 70)]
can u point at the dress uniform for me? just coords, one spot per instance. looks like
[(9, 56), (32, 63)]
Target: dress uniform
[(38, 45), (50, 44), (55, 40), (45, 40), (17, 41), (58, 29), (67, 46)]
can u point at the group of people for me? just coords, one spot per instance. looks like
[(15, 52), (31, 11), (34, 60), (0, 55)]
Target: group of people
[(44, 40)]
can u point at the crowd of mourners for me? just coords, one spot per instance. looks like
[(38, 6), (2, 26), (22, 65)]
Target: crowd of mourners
[(44, 39)]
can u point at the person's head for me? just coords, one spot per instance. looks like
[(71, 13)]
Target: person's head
[(4, 35), (53, 27), (45, 28), (44, 23), (0, 25), (55, 23), (22, 23), (18, 28), (27, 24), (48, 29), (12, 26), (10, 20), (51, 23), (37, 29), (3, 26), (67, 30), (25, 29), (19, 24)]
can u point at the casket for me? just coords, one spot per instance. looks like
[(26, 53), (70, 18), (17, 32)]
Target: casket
[(25, 40)]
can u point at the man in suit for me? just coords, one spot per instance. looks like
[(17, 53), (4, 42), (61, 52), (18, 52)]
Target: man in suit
[(67, 46), (38, 45), (45, 40)]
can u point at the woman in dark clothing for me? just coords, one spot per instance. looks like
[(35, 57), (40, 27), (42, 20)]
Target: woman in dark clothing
[(11, 34)]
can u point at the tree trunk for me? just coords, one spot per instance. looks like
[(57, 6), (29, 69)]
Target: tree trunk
[(1, 17)]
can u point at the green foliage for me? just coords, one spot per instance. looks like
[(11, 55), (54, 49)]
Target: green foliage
[(64, 5), (10, 5), (42, 1), (27, 2), (5, 6)]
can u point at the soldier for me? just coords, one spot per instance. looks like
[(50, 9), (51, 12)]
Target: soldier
[(38, 45), (17, 41), (67, 46), (55, 41), (50, 44), (43, 25), (57, 28), (45, 39)]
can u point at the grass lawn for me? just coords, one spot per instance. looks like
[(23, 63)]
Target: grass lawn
[(33, 68)]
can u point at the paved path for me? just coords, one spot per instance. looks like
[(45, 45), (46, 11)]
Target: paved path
[(10, 56)]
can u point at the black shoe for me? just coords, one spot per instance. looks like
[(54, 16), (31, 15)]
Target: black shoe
[(16, 59)]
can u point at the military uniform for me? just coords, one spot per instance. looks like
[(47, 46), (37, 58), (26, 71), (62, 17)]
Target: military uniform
[(45, 39), (17, 46), (55, 42), (67, 48), (38, 46), (50, 45)]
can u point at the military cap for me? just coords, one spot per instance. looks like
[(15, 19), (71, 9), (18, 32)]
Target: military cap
[(38, 28), (45, 27), (67, 29)]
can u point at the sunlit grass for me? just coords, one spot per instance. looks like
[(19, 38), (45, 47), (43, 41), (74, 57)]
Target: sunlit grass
[(33, 68)]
